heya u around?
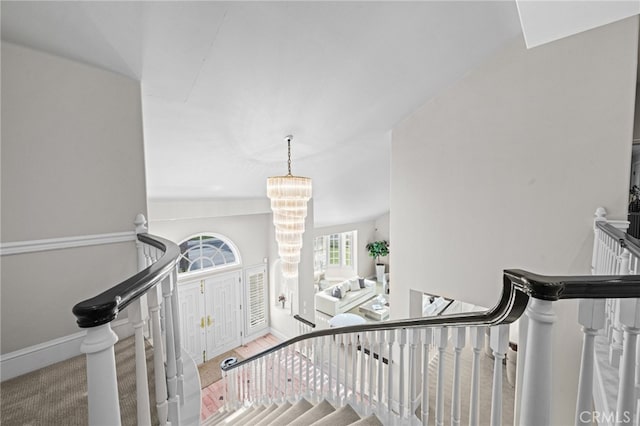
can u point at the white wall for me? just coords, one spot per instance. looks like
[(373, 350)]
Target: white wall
[(505, 169), (72, 165)]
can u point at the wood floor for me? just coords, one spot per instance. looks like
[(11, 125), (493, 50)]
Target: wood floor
[(212, 394)]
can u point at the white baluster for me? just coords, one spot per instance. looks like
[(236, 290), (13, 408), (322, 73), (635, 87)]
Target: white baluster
[(427, 335), (142, 385), (390, 340), (616, 348), (158, 357), (381, 343), (371, 340), (364, 337), (338, 338), (499, 344), (402, 342), (137, 320), (172, 379), (322, 373), (330, 366), (476, 335), (630, 321), (591, 317), (345, 381), (175, 306), (536, 383), (354, 366), (413, 367), (442, 337), (102, 383), (458, 335)]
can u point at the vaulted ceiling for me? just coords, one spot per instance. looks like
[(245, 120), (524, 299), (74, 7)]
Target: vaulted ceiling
[(223, 83)]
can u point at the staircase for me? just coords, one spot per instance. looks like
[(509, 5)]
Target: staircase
[(406, 372), (301, 413)]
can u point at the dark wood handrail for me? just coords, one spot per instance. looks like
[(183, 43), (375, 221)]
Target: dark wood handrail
[(627, 241), (508, 309), (304, 321), (575, 287), (104, 307)]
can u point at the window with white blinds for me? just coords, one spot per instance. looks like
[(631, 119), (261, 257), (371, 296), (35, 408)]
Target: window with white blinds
[(255, 279)]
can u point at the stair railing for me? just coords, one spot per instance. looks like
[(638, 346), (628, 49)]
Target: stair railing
[(384, 368), (154, 285), (616, 320)]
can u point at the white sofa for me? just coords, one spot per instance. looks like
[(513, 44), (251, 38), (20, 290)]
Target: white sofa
[(352, 296)]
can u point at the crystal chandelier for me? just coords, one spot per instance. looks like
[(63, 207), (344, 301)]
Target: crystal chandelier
[(289, 195)]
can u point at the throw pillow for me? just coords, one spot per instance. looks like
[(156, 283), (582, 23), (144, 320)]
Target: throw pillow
[(361, 282), (345, 287), (354, 284), (337, 292)]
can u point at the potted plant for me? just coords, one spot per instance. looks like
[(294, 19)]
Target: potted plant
[(282, 299), (377, 249)]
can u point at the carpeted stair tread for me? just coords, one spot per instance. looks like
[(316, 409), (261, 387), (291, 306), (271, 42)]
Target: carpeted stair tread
[(241, 414), (343, 416), (274, 414), (249, 419), (321, 410), (268, 410), (295, 411), (216, 418), (371, 420)]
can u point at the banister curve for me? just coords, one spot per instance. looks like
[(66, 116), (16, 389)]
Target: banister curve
[(104, 307), (509, 308)]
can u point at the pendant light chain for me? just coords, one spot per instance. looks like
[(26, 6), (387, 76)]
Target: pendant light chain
[(289, 153)]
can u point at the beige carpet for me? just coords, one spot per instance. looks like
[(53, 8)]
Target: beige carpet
[(486, 381), (210, 371), (57, 395)]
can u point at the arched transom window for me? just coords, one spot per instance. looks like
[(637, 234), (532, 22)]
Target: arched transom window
[(206, 251)]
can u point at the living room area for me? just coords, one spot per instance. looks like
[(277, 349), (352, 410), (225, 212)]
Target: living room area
[(351, 275)]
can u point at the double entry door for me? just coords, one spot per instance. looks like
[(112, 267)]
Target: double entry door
[(211, 319)]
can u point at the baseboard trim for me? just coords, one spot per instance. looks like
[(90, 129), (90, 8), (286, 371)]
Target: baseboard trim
[(278, 334), (20, 247), (26, 360)]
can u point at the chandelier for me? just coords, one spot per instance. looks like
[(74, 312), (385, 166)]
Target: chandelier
[(289, 195)]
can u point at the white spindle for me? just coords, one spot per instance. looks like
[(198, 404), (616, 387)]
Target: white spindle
[(158, 357), (322, 372), (458, 335), (345, 381), (171, 370), (442, 337), (414, 369), (426, 341), (390, 341), (337, 391), (330, 366), (102, 383), (175, 306), (476, 335), (381, 343), (536, 383), (630, 321), (354, 366), (142, 385), (499, 344), (591, 317), (364, 342), (402, 342)]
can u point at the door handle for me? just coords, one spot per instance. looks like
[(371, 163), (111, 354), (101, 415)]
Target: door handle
[(202, 322), (209, 321)]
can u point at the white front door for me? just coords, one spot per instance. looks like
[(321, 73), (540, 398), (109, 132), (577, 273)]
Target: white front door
[(224, 319), (192, 319)]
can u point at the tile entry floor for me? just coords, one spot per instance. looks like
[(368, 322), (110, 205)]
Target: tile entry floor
[(212, 394)]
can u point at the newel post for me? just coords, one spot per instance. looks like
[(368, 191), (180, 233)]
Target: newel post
[(102, 382), (600, 216), (536, 384)]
